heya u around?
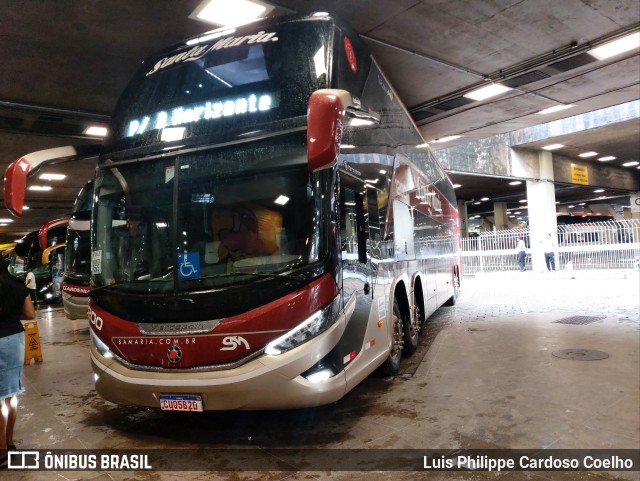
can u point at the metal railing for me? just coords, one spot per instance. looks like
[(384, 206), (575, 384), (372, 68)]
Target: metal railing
[(603, 245)]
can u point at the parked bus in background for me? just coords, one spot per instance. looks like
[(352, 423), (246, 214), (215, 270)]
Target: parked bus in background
[(43, 252), (77, 258), (268, 225)]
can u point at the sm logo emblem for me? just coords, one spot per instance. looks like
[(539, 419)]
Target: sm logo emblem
[(232, 342)]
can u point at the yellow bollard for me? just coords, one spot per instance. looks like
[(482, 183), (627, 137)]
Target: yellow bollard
[(32, 351)]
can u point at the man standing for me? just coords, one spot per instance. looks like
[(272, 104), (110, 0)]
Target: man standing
[(549, 252), (30, 282), (522, 254)]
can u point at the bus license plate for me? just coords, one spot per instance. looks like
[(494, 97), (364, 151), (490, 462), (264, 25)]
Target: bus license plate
[(181, 403)]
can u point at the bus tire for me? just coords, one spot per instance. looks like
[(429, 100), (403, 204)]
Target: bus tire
[(411, 332), (391, 365)]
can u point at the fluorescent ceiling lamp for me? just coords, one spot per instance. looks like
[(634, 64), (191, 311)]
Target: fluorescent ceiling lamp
[(630, 164), (552, 146), (372, 181), (455, 186), (230, 13), (6, 220), (445, 139), (171, 134), (597, 191), (282, 200), (555, 108), (96, 131), (487, 92), (523, 201), (615, 47), (606, 158), (383, 172), (484, 199), (347, 146), (40, 187), (588, 154), (25, 207), (52, 176), (515, 182)]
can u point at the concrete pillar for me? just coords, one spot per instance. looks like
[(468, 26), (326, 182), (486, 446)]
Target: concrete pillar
[(541, 199), (464, 221), (500, 217), (635, 205)]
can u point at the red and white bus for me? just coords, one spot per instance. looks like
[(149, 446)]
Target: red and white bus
[(268, 225)]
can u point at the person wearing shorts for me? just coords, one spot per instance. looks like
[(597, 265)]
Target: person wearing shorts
[(15, 304)]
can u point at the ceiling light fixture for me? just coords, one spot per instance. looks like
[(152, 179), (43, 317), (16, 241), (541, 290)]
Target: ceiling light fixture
[(489, 91), (555, 108), (616, 47), (484, 199), (6, 220), (230, 13), (587, 154), (39, 187), (597, 191), (630, 164), (96, 131), (606, 158), (455, 186), (445, 139), (515, 182), (552, 146)]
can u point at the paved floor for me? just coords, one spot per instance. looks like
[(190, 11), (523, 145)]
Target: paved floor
[(484, 377)]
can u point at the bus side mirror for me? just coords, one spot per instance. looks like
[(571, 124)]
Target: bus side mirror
[(15, 177), (325, 117), (43, 233)]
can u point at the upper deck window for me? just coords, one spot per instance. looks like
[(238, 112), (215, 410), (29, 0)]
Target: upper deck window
[(216, 88)]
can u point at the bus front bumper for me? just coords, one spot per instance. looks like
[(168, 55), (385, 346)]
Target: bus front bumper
[(266, 382)]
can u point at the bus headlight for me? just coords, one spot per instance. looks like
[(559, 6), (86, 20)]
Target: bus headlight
[(102, 348), (317, 323)]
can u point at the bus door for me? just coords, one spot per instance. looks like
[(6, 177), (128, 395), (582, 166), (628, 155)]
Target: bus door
[(356, 261), (403, 231)]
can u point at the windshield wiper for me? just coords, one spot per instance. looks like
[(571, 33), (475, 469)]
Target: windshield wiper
[(274, 275)]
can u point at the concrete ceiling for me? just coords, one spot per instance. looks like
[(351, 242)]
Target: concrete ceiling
[(64, 64)]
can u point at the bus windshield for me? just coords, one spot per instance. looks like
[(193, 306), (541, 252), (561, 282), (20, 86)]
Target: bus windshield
[(77, 254), (208, 219)]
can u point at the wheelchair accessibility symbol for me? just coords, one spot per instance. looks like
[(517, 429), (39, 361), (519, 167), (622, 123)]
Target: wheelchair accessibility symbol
[(188, 265)]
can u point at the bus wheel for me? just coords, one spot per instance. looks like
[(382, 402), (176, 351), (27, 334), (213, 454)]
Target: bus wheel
[(411, 331), (391, 365), (456, 291)]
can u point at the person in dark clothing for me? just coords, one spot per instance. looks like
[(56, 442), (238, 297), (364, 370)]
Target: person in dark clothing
[(15, 304)]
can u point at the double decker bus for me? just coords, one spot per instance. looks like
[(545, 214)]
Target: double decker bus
[(268, 225)]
